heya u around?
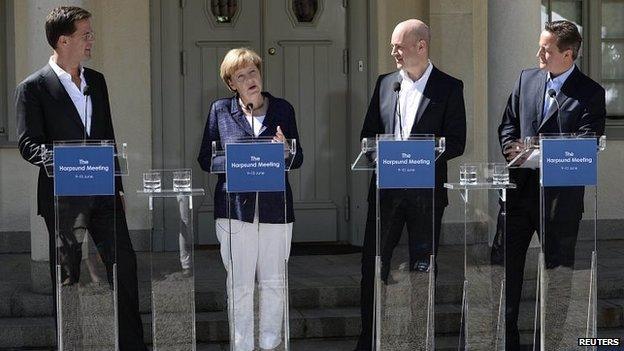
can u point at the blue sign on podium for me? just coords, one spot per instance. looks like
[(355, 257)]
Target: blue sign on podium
[(254, 167), (84, 170), (406, 164), (569, 162)]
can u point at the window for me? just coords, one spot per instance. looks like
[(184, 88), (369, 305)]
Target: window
[(612, 63), (571, 10), (600, 24), (223, 10), (305, 10)]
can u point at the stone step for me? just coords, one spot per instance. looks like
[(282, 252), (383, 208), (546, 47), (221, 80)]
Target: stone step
[(210, 327), (17, 300), (14, 242), (342, 322), (300, 297), (443, 343), (324, 344), (19, 241), (451, 234), (610, 315), (27, 332)]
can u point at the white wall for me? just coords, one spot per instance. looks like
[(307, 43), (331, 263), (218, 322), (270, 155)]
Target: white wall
[(17, 180), (610, 176)]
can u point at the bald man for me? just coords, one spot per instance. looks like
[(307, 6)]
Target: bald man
[(429, 101)]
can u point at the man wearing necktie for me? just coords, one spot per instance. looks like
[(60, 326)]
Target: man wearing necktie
[(531, 110)]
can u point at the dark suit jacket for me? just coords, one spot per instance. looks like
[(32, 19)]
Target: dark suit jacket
[(582, 111), (45, 114), (441, 112), (227, 123)]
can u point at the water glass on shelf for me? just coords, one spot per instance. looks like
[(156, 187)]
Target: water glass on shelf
[(500, 175), (488, 172), (182, 180), (151, 181), (468, 174)]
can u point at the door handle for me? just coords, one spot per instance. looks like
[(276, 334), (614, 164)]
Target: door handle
[(272, 51)]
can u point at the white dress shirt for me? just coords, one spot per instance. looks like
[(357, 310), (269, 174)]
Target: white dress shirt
[(410, 97), (77, 96), (555, 84)]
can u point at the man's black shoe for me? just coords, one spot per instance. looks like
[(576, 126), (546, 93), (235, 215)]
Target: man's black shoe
[(420, 266)]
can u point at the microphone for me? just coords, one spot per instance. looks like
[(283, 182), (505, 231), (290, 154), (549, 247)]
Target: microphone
[(553, 95), (396, 86), (86, 92), (250, 107)]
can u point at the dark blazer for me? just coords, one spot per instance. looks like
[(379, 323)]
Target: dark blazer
[(441, 112), (45, 114), (583, 110), (227, 123)]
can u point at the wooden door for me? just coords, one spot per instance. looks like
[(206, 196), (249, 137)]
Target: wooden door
[(302, 44)]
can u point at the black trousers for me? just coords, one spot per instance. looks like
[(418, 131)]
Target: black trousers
[(99, 215), (397, 211), (559, 250)]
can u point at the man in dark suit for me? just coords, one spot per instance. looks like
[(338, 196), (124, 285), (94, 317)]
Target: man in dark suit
[(532, 111), (52, 105), (429, 101)]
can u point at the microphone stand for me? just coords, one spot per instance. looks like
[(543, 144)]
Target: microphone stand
[(86, 92), (250, 107), (397, 89)]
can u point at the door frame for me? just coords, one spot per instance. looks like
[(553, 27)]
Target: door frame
[(168, 96)]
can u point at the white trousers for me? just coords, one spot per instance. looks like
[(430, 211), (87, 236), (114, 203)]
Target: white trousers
[(184, 236), (258, 252)]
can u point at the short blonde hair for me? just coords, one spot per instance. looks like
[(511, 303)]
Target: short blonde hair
[(236, 59)]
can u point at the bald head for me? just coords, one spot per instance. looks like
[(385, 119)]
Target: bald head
[(413, 29), (410, 46)]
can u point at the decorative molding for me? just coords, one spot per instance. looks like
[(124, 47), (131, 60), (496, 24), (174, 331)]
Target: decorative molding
[(284, 43), (221, 43)]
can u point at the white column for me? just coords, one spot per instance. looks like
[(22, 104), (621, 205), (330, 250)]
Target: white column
[(513, 34)]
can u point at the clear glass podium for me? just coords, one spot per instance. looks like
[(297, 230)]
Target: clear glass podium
[(567, 265), (255, 254), (172, 273), (483, 298), (404, 286), (88, 217)]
